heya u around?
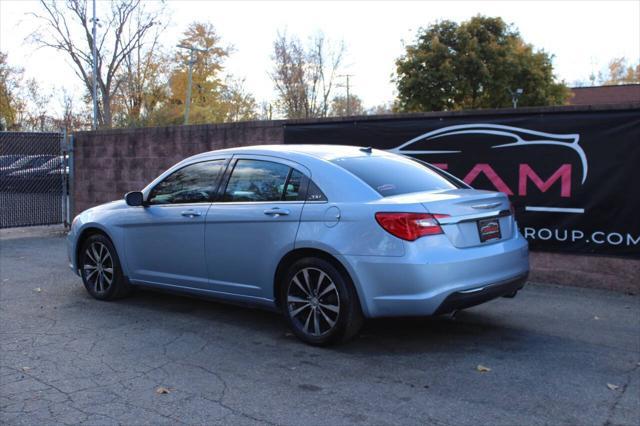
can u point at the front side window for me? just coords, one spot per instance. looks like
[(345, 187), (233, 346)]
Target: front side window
[(195, 183), (256, 180)]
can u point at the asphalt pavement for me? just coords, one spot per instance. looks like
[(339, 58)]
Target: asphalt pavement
[(553, 355)]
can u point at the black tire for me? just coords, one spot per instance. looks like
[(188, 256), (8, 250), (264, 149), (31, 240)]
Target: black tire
[(301, 305), (99, 262)]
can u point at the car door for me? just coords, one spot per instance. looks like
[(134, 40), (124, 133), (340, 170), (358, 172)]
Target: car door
[(164, 240), (253, 224)]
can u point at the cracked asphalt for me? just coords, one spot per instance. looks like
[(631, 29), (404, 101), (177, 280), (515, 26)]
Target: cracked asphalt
[(556, 356)]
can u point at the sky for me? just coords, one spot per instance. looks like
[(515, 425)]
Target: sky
[(583, 36)]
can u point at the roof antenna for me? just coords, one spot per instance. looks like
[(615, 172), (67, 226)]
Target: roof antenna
[(366, 149)]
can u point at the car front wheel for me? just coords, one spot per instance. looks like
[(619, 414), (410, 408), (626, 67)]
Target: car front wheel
[(100, 269), (320, 302)]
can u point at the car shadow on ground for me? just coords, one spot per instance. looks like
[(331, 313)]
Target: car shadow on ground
[(383, 335)]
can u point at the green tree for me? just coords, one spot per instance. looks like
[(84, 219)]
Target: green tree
[(474, 64)]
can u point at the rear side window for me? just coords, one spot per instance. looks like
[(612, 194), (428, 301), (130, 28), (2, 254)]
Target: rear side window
[(395, 175), (292, 190), (256, 180)]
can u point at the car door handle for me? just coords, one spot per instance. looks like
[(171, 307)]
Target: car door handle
[(190, 213), (276, 212)]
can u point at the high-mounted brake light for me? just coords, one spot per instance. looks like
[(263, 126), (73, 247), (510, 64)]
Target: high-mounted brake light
[(410, 226)]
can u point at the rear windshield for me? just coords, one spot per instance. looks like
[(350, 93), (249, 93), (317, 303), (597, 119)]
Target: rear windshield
[(395, 175)]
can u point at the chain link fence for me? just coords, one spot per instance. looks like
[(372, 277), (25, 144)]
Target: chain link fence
[(34, 179)]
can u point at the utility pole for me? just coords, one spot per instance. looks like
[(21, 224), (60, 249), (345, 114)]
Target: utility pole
[(95, 69), (515, 96), (192, 60), (348, 93)]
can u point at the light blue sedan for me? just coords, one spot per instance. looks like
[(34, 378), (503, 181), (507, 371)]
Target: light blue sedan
[(328, 235)]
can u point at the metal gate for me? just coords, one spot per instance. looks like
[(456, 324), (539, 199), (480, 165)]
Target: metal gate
[(34, 179)]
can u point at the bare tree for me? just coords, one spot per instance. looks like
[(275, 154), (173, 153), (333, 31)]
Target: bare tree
[(71, 119), (67, 28), (304, 77), (239, 103), (36, 106), (143, 79), (341, 106)]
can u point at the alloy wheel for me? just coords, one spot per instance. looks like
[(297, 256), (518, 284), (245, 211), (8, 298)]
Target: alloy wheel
[(313, 302), (98, 267)]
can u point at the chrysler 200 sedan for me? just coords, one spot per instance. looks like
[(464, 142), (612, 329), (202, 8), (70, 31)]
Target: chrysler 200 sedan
[(328, 235)]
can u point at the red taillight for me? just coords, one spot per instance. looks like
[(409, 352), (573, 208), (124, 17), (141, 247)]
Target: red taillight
[(410, 226)]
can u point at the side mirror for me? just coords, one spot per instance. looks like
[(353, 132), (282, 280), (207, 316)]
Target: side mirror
[(134, 198)]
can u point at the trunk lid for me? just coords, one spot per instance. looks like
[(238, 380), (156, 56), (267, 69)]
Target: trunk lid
[(468, 210)]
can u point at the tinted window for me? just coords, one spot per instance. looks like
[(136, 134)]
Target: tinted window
[(459, 183), (394, 175), (255, 180), (192, 184)]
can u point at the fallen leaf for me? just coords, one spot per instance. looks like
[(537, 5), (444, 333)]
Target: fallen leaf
[(37, 290), (162, 390), (25, 368), (612, 387), (481, 368)]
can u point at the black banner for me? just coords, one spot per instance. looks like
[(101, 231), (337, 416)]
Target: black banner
[(572, 176)]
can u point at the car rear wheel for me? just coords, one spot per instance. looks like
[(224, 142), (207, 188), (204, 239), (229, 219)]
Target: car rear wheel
[(320, 303), (100, 269)]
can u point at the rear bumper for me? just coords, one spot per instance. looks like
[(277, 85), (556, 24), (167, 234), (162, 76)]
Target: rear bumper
[(433, 276), (472, 297)]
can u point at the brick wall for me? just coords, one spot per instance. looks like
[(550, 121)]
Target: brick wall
[(110, 163)]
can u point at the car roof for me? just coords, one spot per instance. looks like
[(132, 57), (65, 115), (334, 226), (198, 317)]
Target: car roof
[(322, 152), (336, 182)]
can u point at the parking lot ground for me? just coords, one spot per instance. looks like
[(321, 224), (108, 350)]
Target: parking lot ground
[(556, 355)]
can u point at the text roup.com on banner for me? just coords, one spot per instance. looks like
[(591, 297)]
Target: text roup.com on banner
[(572, 176)]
